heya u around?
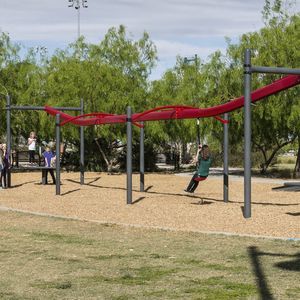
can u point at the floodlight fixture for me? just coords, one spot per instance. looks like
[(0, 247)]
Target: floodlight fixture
[(77, 4)]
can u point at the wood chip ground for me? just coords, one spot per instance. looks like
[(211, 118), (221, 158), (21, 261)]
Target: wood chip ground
[(274, 213)]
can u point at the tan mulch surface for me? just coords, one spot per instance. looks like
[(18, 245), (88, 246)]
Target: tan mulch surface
[(274, 213)]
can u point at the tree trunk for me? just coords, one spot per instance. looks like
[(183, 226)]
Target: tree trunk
[(107, 162), (267, 162), (177, 157), (297, 165)]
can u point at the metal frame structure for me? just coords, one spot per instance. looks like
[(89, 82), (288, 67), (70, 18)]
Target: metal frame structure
[(142, 158), (225, 159), (188, 112), (248, 71), (178, 112), (10, 107), (173, 112), (129, 154)]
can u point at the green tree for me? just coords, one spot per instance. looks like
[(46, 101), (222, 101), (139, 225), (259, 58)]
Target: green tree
[(109, 76), (277, 44)]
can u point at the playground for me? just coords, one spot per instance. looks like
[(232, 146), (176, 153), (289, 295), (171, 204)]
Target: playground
[(163, 205)]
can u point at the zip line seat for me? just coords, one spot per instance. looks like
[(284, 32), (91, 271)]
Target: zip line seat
[(199, 178)]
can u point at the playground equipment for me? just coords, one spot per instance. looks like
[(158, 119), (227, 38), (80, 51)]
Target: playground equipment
[(186, 112), (80, 109), (183, 112), (200, 178), (177, 111)]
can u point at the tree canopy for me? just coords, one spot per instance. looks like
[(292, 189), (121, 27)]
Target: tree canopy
[(115, 72)]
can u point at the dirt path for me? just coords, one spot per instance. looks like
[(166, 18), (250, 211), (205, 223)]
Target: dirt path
[(274, 213)]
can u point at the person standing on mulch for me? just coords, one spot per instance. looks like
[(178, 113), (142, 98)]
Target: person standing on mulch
[(204, 162), (49, 160), (2, 176), (4, 165), (31, 146)]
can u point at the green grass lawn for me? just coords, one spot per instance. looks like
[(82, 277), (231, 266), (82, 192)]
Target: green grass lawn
[(50, 258)]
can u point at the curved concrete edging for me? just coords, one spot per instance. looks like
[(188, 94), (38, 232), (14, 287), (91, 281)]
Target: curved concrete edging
[(41, 214)]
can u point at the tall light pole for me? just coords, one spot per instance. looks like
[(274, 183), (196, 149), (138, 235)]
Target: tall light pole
[(77, 4), (187, 61)]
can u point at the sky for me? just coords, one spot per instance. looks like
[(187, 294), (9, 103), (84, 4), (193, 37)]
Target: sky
[(177, 27)]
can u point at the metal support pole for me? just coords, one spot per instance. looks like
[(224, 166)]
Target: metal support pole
[(275, 70), (129, 155), (198, 132), (81, 145), (225, 159), (78, 20), (42, 108), (57, 134), (8, 139), (247, 134), (142, 159)]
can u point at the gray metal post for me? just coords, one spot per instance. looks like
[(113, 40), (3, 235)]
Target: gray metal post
[(57, 134), (225, 159), (129, 155), (30, 107), (8, 139), (78, 20), (247, 134), (142, 159), (198, 132), (275, 70), (81, 145)]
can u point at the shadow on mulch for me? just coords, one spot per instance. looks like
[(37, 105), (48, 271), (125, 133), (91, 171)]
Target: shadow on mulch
[(184, 195), (18, 185)]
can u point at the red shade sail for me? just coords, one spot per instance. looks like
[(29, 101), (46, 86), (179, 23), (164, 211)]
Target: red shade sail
[(178, 111)]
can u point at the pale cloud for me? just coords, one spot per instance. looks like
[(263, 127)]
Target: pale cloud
[(164, 47), (178, 27), (162, 19)]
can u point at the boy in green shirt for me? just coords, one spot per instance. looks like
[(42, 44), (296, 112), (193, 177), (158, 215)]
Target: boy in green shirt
[(204, 162)]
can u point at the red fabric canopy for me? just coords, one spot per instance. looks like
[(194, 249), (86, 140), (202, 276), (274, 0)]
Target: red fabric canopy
[(178, 111)]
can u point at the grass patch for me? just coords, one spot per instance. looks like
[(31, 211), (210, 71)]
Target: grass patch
[(60, 238), (53, 285), (220, 288), (134, 276), (158, 256), (67, 259), (286, 160), (113, 256), (293, 292), (210, 266)]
